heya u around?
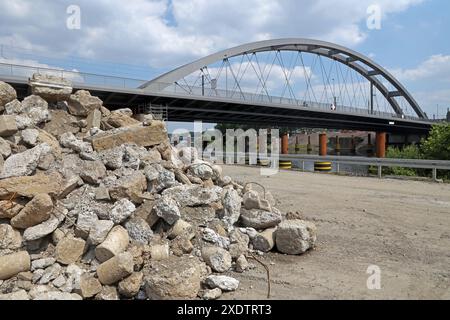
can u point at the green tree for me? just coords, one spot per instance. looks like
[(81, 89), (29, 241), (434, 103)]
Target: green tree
[(437, 145), (407, 152)]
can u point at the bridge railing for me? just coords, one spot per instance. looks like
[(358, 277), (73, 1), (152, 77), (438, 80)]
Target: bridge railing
[(84, 78), (264, 98), (91, 79)]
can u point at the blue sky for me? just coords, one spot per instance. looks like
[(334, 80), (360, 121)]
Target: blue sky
[(144, 38)]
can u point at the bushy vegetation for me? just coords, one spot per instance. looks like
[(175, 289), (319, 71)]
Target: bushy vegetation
[(408, 152), (435, 147)]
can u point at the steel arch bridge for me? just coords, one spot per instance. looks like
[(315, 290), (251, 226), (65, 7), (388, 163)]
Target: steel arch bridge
[(211, 76)]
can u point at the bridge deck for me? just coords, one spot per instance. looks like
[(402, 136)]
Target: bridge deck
[(184, 107)]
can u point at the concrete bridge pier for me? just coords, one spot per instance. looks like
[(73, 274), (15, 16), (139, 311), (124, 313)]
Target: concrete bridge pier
[(285, 144), (323, 144), (381, 144)]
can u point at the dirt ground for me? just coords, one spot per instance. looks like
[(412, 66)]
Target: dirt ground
[(401, 226)]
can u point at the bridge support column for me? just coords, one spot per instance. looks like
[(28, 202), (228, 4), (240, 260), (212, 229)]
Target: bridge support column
[(285, 144), (323, 144), (381, 144), (338, 145), (309, 145)]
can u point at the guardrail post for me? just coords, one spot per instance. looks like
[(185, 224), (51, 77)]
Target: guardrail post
[(337, 167), (303, 165), (380, 171), (434, 174)]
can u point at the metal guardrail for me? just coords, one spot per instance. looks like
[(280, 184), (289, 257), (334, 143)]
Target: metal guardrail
[(263, 98), (434, 165), (17, 70), (84, 78)]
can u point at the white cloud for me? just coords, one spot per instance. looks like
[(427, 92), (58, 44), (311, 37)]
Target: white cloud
[(159, 33), (428, 82), (436, 67), (165, 34)]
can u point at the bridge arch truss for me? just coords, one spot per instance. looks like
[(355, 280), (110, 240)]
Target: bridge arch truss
[(389, 87)]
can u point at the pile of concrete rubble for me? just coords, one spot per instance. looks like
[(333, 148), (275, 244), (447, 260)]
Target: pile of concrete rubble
[(97, 204)]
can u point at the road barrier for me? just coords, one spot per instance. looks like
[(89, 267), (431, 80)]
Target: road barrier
[(322, 166), (433, 165)]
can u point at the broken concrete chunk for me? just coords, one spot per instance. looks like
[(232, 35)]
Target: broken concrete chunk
[(34, 111), (212, 294), (102, 194), (99, 231), (203, 171), (115, 269), (119, 119), (62, 122), (115, 243), (57, 295), (92, 172), (9, 237), (231, 206), (107, 293), (259, 219), (130, 187), (85, 221), (295, 236), (68, 140), (13, 107), (36, 211), (174, 278), (41, 230), (217, 258), (20, 295), (94, 119), (50, 87), (121, 210), (167, 209), (89, 286), (225, 283), (7, 94), (181, 228), (30, 136), (30, 186), (9, 209), (139, 230), (264, 241), (69, 250), (42, 263), (159, 251), (142, 136), (193, 195), (251, 200), (24, 163), (82, 103), (241, 264), (12, 264), (129, 287), (5, 148)]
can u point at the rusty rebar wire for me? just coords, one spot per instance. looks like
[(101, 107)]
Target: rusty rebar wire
[(252, 256)]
